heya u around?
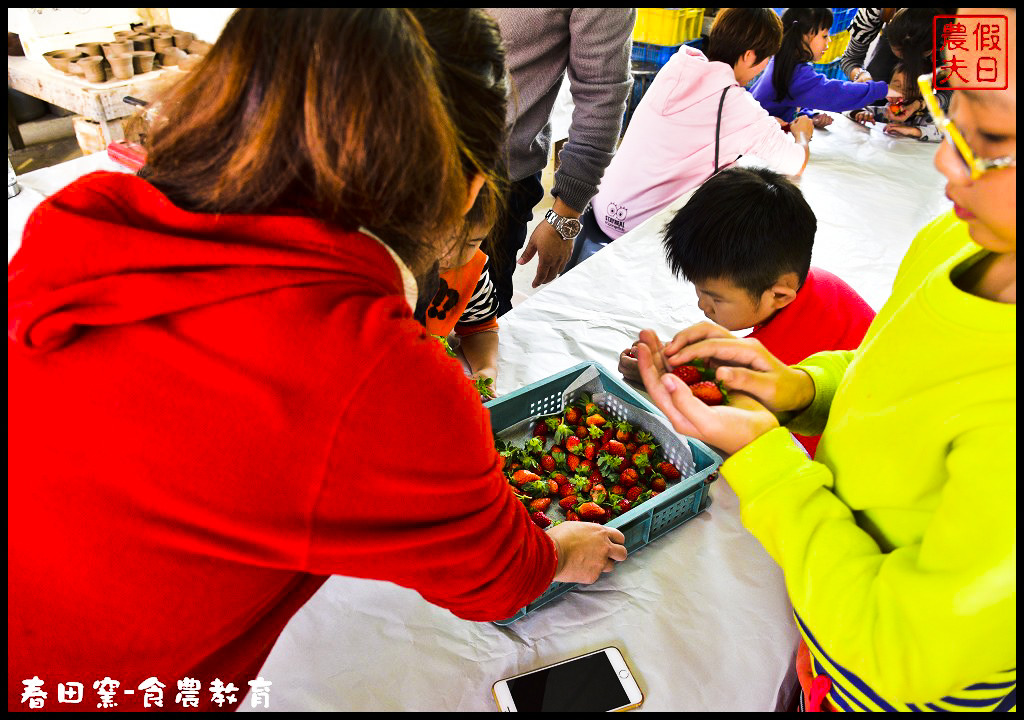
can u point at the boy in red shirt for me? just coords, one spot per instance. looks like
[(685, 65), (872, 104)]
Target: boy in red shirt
[(744, 240)]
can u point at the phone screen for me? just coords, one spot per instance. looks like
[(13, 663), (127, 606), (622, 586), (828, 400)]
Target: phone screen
[(587, 684)]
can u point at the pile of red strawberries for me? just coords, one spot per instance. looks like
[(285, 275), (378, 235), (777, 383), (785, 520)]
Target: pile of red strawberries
[(699, 378), (590, 467)]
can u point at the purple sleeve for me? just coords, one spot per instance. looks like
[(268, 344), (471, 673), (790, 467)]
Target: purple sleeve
[(810, 89)]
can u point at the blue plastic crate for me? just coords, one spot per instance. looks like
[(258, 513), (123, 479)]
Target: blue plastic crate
[(842, 18), (830, 70), (681, 502), (656, 55)]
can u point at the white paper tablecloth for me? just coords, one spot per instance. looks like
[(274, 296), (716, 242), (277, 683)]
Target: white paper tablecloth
[(700, 614)]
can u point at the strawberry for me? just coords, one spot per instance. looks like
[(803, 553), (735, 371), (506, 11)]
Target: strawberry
[(596, 433), (623, 432), (670, 471), (574, 445), (633, 493), (618, 490), (609, 463), (573, 415), (521, 477), (590, 511), (552, 423), (623, 505), (540, 504), (566, 490), (540, 429), (687, 373), (568, 502), (585, 467), (658, 484), (616, 448), (596, 478), (535, 446), (607, 435), (571, 516), (709, 392), (589, 450), (591, 409), (631, 447), (598, 494), (628, 478), (596, 419), (547, 463), (641, 462), (541, 519), (563, 432), (537, 488), (560, 478), (645, 449), (552, 487), (582, 431), (573, 462)]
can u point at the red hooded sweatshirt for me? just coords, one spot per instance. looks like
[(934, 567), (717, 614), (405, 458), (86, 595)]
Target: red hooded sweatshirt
[(207, 416)]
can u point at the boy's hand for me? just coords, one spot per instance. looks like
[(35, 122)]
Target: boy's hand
[(728, 427), (902, 130), (744, 366), (628, 364), (863, 117), (822, 120)]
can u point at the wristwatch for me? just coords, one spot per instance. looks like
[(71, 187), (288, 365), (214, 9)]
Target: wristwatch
[(567, 227)]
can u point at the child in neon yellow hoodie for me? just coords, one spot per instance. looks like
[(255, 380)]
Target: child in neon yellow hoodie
[(898, 544)]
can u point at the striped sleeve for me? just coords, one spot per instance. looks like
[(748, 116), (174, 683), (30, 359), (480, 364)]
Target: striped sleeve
[(481, 312), (866, 26)]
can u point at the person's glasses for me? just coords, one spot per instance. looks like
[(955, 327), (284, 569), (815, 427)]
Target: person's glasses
[(976, 165)]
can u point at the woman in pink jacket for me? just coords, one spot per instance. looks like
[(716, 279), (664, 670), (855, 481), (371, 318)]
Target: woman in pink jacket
[(695, 119)]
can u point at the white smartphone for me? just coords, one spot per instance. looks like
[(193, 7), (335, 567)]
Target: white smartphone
[(596, 682)]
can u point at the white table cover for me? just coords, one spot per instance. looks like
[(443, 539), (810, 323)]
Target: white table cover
[(701, 614)]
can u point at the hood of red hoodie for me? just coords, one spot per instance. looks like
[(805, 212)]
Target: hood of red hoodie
[(111, 249)]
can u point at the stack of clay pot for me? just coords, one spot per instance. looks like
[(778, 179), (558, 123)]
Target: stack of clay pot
[(132, 52)]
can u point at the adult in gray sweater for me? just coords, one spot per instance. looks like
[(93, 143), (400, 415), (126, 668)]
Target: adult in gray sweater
[(542, 44)]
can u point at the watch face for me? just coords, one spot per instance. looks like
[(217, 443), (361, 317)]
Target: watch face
[(570, 227)]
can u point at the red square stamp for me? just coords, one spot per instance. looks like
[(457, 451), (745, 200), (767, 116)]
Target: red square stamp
[(971, 52)]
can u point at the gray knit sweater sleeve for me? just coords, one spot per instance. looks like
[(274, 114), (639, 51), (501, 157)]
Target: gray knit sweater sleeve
[(593, 46)]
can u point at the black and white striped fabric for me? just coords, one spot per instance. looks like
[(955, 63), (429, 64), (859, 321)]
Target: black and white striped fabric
[(483, 305)]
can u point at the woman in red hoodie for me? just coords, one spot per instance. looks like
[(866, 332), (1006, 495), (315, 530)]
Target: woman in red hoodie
[(217, 395)]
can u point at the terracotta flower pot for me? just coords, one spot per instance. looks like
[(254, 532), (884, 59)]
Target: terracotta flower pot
[(140, 28), (142, 42), (162, 42), (183, 39), (122, 67), (90, 48), (92, 68), (163, 28), (142, 61), (61, 59), (124, 34), (170, 57), (118, 49)]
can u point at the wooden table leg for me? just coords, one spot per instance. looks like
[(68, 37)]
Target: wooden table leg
[(12, 130)]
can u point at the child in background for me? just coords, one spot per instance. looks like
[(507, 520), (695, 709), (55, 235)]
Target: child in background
[(744, 240), (790, 86), (466, 302), (695, 119), (917, 125)]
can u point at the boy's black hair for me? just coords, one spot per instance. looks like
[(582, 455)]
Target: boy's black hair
[(749, 226), (796, 23)]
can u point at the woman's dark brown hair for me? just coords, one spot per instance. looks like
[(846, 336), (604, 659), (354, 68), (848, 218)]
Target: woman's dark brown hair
[(737, 30), (347, 115)]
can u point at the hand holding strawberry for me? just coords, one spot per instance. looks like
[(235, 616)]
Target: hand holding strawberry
[(728, 427)]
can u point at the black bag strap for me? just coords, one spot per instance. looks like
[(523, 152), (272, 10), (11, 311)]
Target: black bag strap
[(718, 127)]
